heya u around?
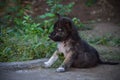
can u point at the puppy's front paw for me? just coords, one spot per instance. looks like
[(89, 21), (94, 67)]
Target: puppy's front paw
[(47, 64), (60, 69)]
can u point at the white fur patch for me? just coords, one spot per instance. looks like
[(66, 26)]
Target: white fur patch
[(60, 69), (47, 64), (51, 61), (62, 48)]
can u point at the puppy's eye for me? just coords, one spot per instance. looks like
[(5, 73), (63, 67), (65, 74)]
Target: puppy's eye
[(59, 29)]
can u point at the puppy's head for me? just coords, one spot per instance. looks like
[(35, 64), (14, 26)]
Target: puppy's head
[(62, 29)]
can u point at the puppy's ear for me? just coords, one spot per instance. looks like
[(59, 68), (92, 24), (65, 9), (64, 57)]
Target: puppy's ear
[(69, 25)]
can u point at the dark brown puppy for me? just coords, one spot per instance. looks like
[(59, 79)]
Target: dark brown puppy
[(76, 51)]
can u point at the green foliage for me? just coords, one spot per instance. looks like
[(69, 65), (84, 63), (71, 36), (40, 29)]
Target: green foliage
[(80, 25), (23, 38), (90, 2), (26, 40), (56, 7), (108, 40)]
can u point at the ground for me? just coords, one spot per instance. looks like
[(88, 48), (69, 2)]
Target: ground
[(104, 30), (100, 72)]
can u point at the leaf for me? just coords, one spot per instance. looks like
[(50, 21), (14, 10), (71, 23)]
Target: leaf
[(47, 15), (26, 17), (70, 5), (42, 16), (40, 29), (50, 14)]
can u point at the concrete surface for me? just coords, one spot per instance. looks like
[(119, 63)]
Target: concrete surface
[(101, 72), (12, 66)]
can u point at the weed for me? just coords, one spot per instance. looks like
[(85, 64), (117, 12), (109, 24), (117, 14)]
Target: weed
[(80, 25), (107, 39), (22, 38)]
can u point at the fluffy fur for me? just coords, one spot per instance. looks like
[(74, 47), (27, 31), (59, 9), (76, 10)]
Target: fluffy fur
[(77, 52)]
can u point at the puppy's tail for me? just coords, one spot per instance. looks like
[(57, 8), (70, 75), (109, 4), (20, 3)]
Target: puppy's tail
[(109, 63)]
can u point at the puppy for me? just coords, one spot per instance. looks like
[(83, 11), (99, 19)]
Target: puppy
[(77, 52)]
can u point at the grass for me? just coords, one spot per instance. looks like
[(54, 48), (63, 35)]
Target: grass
[(24, 38), (106, 40), (107, 45), (108, 52), (25, 43)]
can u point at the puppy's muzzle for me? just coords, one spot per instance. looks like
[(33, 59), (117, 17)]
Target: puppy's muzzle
[(55, 37)]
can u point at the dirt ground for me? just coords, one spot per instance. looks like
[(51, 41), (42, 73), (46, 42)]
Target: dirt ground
[(100, 29)]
